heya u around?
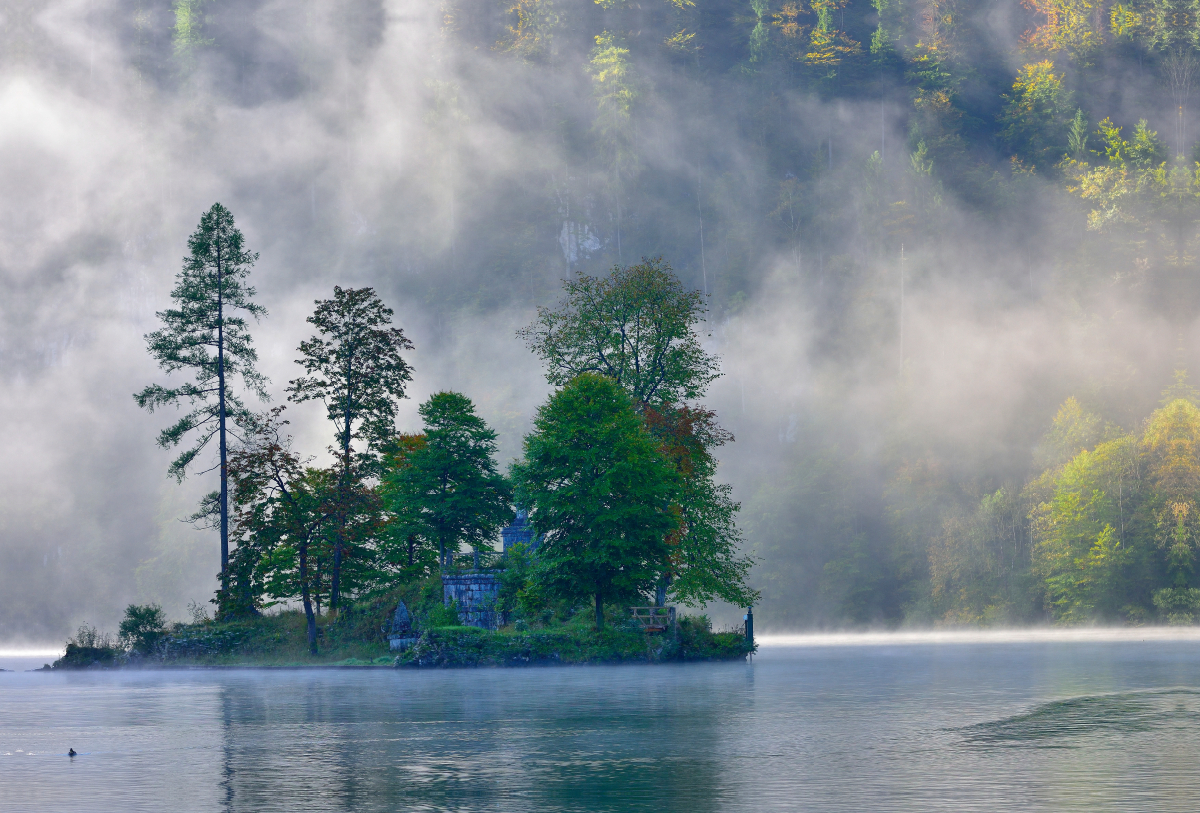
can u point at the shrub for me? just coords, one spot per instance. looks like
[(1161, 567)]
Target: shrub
[(441, 615), (90, 638), (198, 612), (142, 628), (89, 648)]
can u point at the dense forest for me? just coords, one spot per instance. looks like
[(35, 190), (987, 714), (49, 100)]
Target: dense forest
[(948, 250)]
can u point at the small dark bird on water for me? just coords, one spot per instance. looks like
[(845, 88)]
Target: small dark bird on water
[(71, 752)]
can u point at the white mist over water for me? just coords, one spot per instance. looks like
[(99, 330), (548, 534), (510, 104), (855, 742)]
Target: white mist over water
[(20, 660), (1097, 635), (982, 726)]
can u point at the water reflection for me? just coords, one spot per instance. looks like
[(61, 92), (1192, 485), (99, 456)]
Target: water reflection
[(624, 738), (921, 728), (1060, 723)]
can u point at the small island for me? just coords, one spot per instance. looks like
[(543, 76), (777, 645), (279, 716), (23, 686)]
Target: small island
[(357, 641), (438, 632), (415, 549)]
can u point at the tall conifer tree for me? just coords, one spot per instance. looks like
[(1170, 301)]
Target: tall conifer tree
[(202, 335)]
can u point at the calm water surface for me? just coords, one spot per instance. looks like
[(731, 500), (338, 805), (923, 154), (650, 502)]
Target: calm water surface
[(987, 726)]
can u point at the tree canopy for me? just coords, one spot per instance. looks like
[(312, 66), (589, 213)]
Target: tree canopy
[(705, 560), (1116, 530), (283, 506), (445, 487), (355, 368), (637, 326), (598, 488)]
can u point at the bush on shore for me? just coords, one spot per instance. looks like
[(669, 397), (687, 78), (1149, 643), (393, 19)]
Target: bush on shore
[(470, 646), (91, 649)]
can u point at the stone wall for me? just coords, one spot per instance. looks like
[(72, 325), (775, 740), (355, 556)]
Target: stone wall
[(477, 595)]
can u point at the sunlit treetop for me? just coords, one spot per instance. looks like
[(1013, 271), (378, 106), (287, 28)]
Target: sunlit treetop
[(637, 325)]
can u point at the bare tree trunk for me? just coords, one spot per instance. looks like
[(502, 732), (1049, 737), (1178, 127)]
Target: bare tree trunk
[(308, 607), (334, 587), (344, 487), (221, 424)]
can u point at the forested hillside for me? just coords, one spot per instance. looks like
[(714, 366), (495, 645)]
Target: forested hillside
[(949, 250), (1042, 150)]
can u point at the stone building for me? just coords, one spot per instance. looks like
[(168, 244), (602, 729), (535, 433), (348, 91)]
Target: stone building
[(477, 594), (520, 532)]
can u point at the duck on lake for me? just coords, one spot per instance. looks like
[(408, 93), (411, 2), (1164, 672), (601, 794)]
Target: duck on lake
[(71, 752)]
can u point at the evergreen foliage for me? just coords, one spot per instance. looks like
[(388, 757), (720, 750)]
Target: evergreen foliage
[(203, 335), (1092, 208), (445, 489)]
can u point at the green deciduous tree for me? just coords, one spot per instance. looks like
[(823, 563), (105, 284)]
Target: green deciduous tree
[(598, 487), (1172, 444), (1088, 535), (355, 368), (405, 545), (1073, 430), (142, 628), (448, 489), (1117, 530), (637, 326), (705, 563), (1036, 115), (281, 508), (202, 335)]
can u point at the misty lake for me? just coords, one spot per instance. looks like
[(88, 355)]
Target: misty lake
[(1043, 725)]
